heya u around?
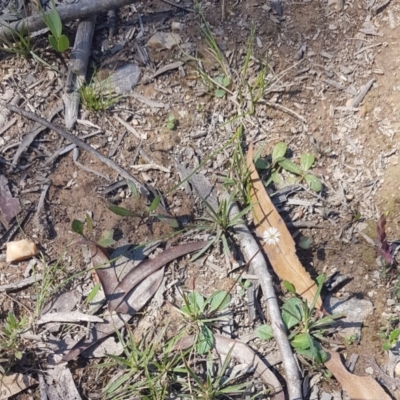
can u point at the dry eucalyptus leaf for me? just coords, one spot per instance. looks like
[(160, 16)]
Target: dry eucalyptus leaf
[(20, 250), (281, 251), (357, 387)]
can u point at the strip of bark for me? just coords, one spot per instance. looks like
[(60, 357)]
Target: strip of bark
[(251, 253), (67, 13)]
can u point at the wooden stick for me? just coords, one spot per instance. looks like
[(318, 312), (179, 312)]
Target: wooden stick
[(80, 143), (67, 13)]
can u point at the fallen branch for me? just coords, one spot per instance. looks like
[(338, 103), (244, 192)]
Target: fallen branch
[(80, 143), (77, 69), (252, 253), (67, 13)]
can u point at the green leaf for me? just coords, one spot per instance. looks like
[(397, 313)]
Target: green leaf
[(154, 204), (290, 166), (77, 226), (106, 238), (279, 151), (305, 242), (277, 178), (53, 42), (265, 332), (196, 300), (306, 161), (226, 81), (261, 164), (220, 93), (205, 340), (301, 341), (93, 293), (62, 44), (133, 189), (289, 287), (89, 223), (314, 182), (292, 312), (219, 300), (53, 22), (123, 212)]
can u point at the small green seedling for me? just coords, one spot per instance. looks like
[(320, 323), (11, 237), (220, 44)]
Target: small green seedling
[(202, 313), (57, 39), (106, 237), (277, 161), (10, 339), (350, 339), (223, 82), (391, 339), (305, 326), (98, 97), (171, 123)]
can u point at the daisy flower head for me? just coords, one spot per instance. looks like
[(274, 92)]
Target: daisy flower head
[(271, 235)]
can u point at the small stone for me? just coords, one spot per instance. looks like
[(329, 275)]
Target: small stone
[(164, 40), (390, 302), (369, 370), (177, 26)]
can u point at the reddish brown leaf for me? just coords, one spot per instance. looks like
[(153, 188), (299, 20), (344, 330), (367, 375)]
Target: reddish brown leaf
[(9, 205), (146, 268), (282, 255)]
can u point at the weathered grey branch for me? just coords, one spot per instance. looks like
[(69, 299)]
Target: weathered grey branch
[(77, 70), (67, 13), (251, 253)]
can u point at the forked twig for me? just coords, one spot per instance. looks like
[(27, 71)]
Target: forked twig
[(80, 143)]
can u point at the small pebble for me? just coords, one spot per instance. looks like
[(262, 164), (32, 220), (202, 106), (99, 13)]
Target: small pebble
[(369, 370)]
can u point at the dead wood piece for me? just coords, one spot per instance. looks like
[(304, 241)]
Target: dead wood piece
[(73, 139), (363, 92), (253, 255), (77, 69), (67, 13), (20, 284), (30, 137)]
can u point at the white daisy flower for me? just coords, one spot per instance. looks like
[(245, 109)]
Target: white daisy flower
[(271, 235)]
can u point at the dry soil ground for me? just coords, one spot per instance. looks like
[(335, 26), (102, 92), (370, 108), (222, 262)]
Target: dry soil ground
[(323, 55)]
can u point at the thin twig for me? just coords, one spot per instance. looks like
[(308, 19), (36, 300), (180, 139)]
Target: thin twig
[(178, 6), (81, 144)]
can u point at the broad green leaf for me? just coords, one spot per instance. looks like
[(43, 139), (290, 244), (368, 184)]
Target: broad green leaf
[(289, 287), (306, 161), (205, 340), (220, 93), (260, 163), (62, 43), (53, 42), (277, 178), (301, 341), (279, 151), (314, 183), (106, 238), (305, 242), (226, 81), (171, 221), (53, 22), (219, 300), (290, 166), (123, 212), (265, 332), (292, 312), (154, 204), (77, 226), (196, 300)]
